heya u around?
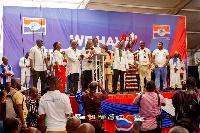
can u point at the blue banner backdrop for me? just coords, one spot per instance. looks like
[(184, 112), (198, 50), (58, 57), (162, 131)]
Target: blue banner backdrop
[(63, 24)]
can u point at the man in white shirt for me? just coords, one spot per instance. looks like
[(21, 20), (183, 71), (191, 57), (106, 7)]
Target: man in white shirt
[(160, 60), (39, 64), (87, 53), (97, 51), (24, 63), (143, 56), (120, 65), (96, 45), (175, 67), (73, 56), (56, 107)]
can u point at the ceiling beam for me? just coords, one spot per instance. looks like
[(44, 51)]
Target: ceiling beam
[(191, 10), (193, 32), (83, 4), (132, 6), (178, 7)]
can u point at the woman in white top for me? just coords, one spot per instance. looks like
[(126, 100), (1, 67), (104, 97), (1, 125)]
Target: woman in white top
[(59, 66)]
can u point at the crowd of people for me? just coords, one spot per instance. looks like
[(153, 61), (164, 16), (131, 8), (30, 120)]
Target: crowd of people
[(131, 68), (52, 111), (33, 114)]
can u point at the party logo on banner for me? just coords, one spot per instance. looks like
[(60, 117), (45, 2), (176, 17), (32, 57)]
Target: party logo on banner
[(34, 26), (161, 32)]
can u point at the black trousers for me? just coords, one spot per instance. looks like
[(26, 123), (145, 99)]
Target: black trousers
[(74, 78), (150, 131), (2, 87), (42, 75), (116, 76), (87, 79)]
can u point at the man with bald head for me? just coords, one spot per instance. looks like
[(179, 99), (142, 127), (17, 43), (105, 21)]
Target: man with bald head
[(120, 65), (143, 57), (86, 128), (178, 129), (39, 63), (73, 124), (32, 105), (18, 100), (31, 130), (11, 125), (5, 72), (73, 56), (87, 52), (92, 103)]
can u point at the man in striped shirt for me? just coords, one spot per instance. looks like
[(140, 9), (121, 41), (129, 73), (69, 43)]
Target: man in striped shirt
[(181, 96)]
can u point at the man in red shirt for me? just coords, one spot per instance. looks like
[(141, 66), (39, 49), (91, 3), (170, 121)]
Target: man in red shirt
[(92, 104)]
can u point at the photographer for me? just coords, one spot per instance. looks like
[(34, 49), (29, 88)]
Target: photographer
[(92, 104), (149, 104)]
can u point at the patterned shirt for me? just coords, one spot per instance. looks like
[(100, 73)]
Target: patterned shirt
[(5, 69), (149, 109), (180, 97), (32, 106)]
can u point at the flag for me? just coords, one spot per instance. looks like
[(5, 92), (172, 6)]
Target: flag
[(161, 32), (34, 26)]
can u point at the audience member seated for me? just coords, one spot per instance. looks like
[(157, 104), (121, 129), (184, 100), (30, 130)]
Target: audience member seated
[(92, 104), (178, 129), (73, 124), (31, 130), (3, 95), (149, 105), (187, 123), (86, 128), (11, 125)]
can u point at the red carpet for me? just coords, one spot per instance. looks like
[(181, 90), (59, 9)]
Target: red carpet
[(123, 99)]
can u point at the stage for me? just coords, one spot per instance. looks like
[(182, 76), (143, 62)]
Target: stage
[(120, 99)]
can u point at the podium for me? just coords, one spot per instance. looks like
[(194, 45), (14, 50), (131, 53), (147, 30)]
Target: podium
[(97, 70)]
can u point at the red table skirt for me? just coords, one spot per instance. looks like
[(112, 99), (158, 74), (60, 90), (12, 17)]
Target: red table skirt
[(123, 99)]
